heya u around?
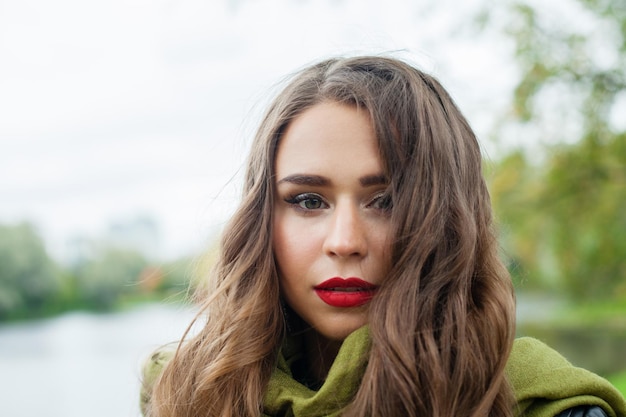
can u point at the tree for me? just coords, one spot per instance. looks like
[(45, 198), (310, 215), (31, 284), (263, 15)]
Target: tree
[(28, 278), (565, 213), (110, 274)]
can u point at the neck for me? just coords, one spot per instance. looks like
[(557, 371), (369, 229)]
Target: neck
[(320, 354)]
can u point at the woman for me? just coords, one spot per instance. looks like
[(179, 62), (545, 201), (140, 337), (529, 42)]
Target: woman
[(360, 275)]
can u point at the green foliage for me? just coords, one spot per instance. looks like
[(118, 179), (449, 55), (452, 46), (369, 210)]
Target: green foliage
[(564, 214), (551, 53), (112, 273), (33, 285), (28, 278), (565, 221)]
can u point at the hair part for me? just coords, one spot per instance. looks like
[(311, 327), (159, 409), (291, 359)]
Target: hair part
[(442, 323)]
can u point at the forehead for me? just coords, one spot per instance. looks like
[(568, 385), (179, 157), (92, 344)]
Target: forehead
[(329, 138)]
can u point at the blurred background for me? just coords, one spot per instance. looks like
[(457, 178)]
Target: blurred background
[(124, 126)]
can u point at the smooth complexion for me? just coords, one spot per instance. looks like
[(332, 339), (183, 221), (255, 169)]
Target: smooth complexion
[(331, 221)]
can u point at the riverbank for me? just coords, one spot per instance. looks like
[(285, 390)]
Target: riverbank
[(85, 363)]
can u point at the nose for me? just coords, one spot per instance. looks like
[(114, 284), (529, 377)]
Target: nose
[(346, 235)]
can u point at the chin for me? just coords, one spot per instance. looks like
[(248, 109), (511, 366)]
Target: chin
[(338, 334)]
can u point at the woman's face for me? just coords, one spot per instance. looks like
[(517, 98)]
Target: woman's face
[(331, 232)]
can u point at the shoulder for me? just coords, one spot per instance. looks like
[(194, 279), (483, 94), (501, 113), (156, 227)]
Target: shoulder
[(152, 368), (546, 384), (532, 353)]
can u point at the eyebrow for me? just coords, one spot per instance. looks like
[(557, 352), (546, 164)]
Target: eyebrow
[(320, 181), (370, 180), (302, 179)]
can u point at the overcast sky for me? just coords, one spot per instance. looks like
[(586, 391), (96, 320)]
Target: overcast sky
[(121, 108)]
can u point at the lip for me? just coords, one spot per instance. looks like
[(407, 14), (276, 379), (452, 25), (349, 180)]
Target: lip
[(345, 293)]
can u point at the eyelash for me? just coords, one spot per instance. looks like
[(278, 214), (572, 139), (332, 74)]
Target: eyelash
[(297, 199), (384, 198)]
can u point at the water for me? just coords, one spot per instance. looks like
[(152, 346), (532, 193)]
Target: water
[(82, 364)]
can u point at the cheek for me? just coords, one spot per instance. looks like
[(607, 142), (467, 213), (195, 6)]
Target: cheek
[(288, 261), (285, 245), (295, 251), (383, 244)]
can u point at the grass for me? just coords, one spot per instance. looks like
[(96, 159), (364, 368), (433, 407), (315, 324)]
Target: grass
[(619, 380), (612, 313)]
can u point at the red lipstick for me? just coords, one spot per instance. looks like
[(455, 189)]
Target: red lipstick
[(345, 293)]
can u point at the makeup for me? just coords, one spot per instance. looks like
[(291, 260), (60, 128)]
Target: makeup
[(345, 293)]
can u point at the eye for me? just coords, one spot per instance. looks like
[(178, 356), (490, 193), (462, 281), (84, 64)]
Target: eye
[(381, 202), (307, 201)]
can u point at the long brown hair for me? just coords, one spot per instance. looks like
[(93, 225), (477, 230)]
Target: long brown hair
[(442, 324)]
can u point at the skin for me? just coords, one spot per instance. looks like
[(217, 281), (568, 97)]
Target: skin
[(331, 219)]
